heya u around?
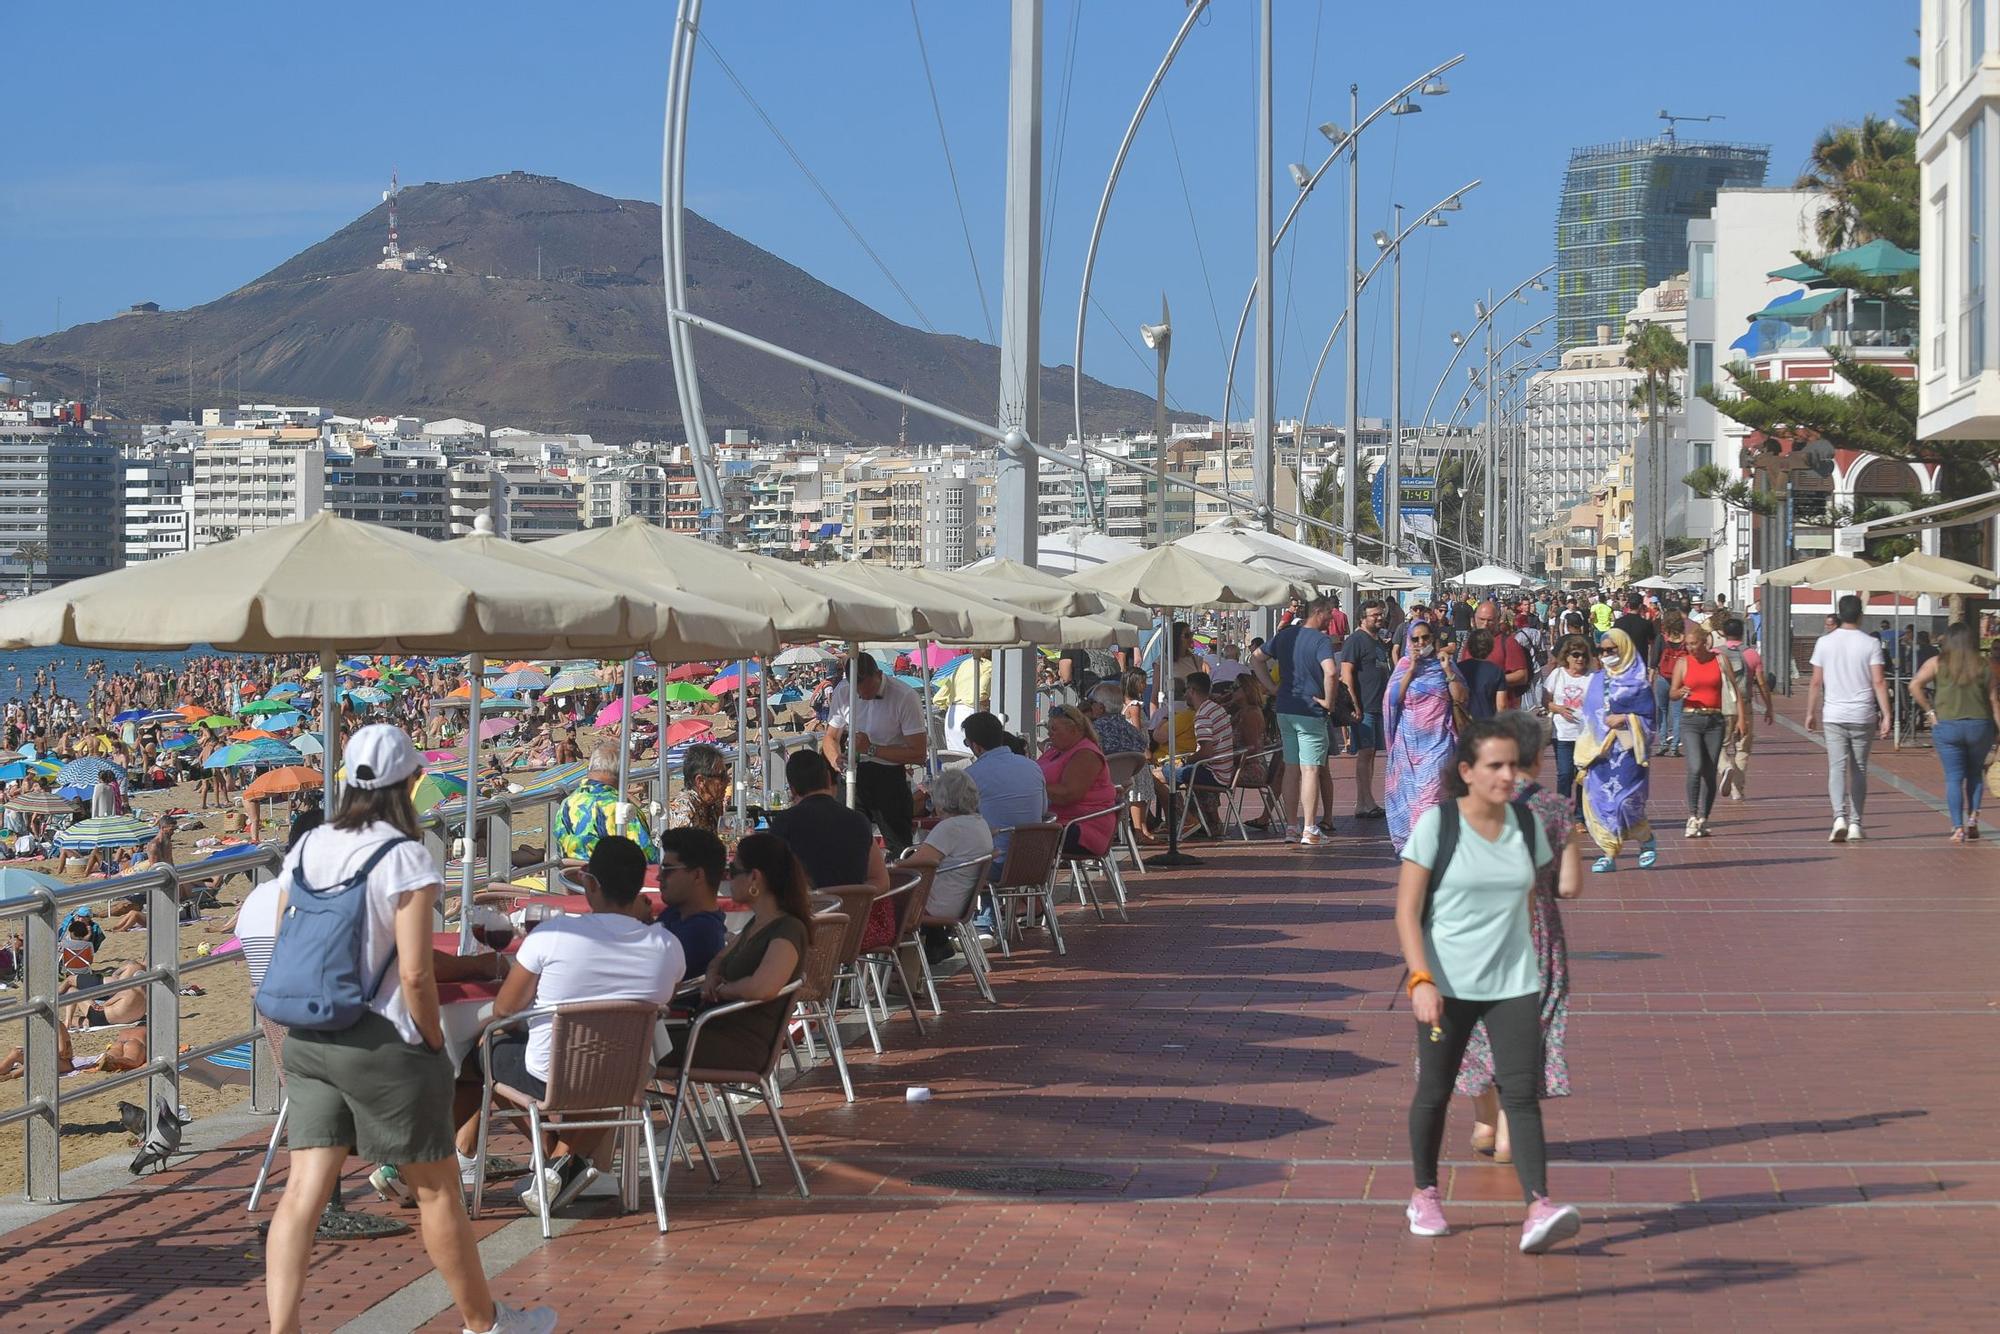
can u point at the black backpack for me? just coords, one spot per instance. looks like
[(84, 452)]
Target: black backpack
[(1448, 827)]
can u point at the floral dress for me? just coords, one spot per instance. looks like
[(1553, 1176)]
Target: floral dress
[(1475, 1072)]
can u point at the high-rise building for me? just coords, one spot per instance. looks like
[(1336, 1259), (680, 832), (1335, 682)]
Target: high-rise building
[(61, 505), (251, 479), (1622, 222), (156, 506)]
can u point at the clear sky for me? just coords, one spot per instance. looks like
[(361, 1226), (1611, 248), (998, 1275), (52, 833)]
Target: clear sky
[(172, 152)]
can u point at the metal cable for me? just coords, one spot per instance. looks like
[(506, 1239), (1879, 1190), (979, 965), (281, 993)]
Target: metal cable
[(817, 184), (1200, 251), (1062, 138), (951, 170)]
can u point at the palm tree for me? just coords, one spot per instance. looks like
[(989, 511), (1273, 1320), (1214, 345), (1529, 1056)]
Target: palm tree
[(1656, 354), (1853, 165), (32, 554)]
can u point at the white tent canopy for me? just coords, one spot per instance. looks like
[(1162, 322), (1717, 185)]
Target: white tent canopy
[(1658, 581), (1074, 549), (1493, 576), (1233, 539)]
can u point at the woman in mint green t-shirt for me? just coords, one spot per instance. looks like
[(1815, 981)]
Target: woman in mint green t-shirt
[(1471, 958)]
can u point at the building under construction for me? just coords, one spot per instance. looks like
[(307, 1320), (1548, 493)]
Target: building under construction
[(1622, 223)]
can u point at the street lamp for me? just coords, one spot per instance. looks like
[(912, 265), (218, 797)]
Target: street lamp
[(1159, 337)]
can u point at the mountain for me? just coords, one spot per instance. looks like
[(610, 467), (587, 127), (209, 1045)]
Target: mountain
[(581, 348)]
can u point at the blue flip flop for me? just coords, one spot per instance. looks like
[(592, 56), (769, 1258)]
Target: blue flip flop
[(1603, 864), (1649, 852)]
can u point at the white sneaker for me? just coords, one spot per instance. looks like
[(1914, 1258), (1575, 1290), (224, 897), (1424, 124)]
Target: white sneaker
[(514, 1320), (1690, 830), (1312, 837), (1839, 834), (1854, 831)]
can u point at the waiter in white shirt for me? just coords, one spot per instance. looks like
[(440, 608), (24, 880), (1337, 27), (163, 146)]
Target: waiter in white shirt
[(887, 722)]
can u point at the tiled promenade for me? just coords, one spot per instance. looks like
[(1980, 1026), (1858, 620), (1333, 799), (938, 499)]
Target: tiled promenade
[(1786, 1094)]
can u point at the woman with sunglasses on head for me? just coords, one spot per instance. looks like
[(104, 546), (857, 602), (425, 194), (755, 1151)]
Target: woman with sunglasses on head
[(1615, 750), (1564, 686), (1419, 712), (767, 956)]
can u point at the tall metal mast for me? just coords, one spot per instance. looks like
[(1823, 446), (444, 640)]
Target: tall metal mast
[(1017, 491)]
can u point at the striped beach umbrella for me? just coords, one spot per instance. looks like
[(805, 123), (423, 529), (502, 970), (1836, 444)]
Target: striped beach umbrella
[(83, 773), (557, 779), (106, 831), (41, 803)]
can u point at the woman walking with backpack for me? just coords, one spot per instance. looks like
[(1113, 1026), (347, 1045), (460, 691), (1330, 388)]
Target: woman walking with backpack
[(365, 1067), (1463, 918)]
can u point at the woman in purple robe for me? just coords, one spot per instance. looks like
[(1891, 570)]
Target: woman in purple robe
[(1613, 752)]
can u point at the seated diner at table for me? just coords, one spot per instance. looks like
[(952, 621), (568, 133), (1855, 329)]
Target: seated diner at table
[(691, 870), (766, 956)]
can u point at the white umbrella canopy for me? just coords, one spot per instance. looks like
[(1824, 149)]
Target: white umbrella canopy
[(687, 626), (331, 583), (1898, 576), (801, 603), (1492, 576), (1956, 569), (804, 655), (1656, 581), (1073, 549), (1021, 585), (1172, 576), (948, 615), (1807, 571), (1390, 577), (1235, 539)]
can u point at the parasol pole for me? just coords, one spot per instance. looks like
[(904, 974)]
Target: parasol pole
[(475, 675), (930, 703), (742, 740), (853, 700), (625, 688), (660, 742), (329, 756)]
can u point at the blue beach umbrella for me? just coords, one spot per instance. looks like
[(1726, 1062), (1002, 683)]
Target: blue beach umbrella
[(106, 831), (84, 772)]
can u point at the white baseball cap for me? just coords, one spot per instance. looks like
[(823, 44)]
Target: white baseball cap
[(380, 756)]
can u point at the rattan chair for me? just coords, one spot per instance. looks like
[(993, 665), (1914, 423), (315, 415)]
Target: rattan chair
[(760, 1084), (601, 1060), (855, 903), (1027, 873), (817, 985), (961, 925)]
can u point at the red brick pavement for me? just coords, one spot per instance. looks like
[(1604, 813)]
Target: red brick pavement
[(1781, 1120)]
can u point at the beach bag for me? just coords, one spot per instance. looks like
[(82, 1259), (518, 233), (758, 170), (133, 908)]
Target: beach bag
[(1448, 830), (314, 981)]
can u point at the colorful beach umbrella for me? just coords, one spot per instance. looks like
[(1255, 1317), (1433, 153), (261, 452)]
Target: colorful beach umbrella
[(106, 831), (308, 743), (685, 692), (219, 720), (287, 688), (41, 803), (570, 679), (283, 782), (690, 671), (435, 788), (561, 778), (253, 734), (528, 679), (84, 772), (688, 729), (492, 727), (181, 742), (262, 706)]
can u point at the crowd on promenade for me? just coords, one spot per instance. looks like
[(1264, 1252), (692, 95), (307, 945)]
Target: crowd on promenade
[(1508, 734)]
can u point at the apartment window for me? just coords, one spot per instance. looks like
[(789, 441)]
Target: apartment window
[(1940, 228), (1703, 453), (1701, 267), (1701, 360), (1972, 315), (1972, 33), (1941, 49)]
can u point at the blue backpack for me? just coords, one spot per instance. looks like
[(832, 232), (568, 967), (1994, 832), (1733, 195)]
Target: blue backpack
[(314, 981)]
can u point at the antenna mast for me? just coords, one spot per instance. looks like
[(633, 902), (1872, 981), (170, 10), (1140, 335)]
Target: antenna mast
[(393, 250)]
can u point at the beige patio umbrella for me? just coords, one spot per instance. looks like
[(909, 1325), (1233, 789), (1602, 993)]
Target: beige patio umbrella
[(1955, 569), (1807, 571), (1902, 579), (332, 584), (1240, 542), (1169, 577), (801, 603), (1037, 590)]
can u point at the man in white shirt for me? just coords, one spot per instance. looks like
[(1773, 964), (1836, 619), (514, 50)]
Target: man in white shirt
[(886, 720), (1849, 681), (612, 952)]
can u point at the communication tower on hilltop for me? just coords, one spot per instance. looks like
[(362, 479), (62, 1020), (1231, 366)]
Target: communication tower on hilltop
[(394, 258)]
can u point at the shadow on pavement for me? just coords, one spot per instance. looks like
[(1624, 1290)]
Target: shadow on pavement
[(938, 1315), (1668, 1143)]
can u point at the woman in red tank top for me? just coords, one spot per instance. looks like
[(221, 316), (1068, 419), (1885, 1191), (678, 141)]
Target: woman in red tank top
[(1708, 699)]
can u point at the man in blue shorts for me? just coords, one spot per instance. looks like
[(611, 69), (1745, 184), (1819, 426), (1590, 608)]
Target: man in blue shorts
[(1299, 663), (1364, 669)]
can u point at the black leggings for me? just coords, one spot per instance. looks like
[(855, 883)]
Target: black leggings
[(1514, 1027), (1701, 735)]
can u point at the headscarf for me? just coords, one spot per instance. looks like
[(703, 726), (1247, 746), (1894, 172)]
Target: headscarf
[(1626, 651)]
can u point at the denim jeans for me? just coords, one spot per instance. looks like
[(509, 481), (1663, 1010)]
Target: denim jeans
[(1847, 746), (1565, 767), (1962, 744), (1668, 712)]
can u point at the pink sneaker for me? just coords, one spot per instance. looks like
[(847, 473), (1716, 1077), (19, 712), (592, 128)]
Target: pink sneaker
[(1548, 1223), (1426, 1214)]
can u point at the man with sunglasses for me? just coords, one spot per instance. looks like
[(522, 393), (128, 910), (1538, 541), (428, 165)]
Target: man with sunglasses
[(691, 870)]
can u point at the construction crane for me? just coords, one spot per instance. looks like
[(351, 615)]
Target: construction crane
[(1671, 119)]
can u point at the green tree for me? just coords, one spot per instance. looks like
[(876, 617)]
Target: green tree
[(1869, 174), (1657, 355), (32, 554)]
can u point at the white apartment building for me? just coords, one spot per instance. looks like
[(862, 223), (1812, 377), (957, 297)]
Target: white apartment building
[(156, 507), (404, 489), (625, 490), (1732, 252), (1958, 152), (248, 480), (474, 487)]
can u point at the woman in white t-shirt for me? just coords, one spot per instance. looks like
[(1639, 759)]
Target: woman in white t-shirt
[(1563, 689), (382, 1088)]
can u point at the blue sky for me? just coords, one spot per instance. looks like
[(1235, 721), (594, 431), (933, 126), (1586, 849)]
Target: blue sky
[(172, 152)]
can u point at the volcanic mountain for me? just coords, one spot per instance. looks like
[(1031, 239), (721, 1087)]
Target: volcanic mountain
[(582, 347)]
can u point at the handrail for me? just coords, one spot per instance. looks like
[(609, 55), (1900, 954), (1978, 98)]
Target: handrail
[(161, 887)]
